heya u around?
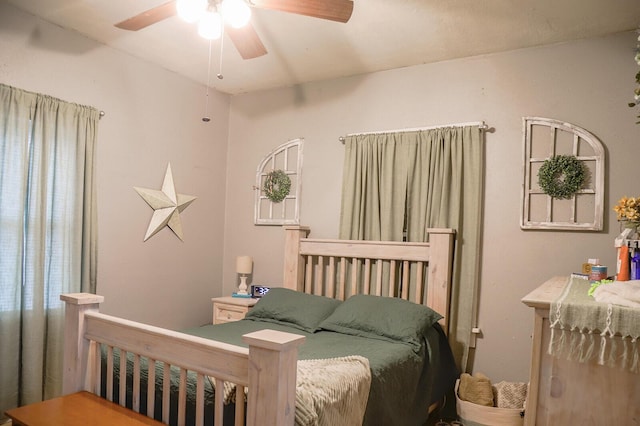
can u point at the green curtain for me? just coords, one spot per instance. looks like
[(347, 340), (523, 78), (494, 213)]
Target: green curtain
[(48, 242), (410, 181)]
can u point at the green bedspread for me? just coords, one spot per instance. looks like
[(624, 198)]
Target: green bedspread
[(404, 381)]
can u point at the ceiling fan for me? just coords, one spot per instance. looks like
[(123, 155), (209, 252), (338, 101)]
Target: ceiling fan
[(246, 39)]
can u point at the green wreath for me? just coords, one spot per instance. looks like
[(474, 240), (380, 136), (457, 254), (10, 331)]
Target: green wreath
[(561, 176), (276, 185)]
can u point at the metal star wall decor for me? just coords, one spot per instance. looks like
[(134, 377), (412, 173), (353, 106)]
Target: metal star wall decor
[(167, 206)]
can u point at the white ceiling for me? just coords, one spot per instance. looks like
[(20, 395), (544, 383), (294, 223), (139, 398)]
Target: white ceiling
[(382, 34)]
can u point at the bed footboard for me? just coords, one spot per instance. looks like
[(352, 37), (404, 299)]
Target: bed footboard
[(267, 368)]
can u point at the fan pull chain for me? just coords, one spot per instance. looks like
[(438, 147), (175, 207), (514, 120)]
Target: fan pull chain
[(206, 118), (220, 76)]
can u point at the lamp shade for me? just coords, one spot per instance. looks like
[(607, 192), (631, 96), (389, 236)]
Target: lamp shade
[(244, 264)]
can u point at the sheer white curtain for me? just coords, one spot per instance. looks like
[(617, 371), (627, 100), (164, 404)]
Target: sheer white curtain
[(399, 184), (47, 235)]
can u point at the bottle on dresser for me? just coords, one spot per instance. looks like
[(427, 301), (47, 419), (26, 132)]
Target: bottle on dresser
[(634, 267)]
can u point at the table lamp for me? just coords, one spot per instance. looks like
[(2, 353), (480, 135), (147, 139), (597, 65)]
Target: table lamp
[(244, 266)]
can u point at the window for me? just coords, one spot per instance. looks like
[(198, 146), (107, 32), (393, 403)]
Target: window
[(47, 235)]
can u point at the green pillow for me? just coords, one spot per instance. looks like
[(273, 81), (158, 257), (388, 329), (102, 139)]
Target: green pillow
[(384, 318), (292, 308)]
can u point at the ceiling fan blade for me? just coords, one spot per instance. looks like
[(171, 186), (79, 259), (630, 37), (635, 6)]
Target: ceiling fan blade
[(334, 10), (246, 40), (149, 17)]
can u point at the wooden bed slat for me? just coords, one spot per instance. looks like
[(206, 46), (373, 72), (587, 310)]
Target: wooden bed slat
[(331, 284), (392, 278), (405, 279), (320, 276), (240, 413), (122, 382), (343, 278), (110, 373), (151, 387), (419, 279), (166, 383), (219, 402), (136, 383), (199, 400), (309, 280), (97, 368), (355, 265), (182, 398), (378, 274), (366, 281)]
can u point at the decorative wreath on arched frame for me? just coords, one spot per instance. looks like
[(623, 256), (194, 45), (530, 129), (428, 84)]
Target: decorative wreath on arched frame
[(561, 176), (277, 186)]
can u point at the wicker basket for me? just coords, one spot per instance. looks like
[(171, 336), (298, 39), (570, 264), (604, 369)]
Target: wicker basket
[(471, 414)]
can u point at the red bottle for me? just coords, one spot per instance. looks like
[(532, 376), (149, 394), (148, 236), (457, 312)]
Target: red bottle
[(623, 263)]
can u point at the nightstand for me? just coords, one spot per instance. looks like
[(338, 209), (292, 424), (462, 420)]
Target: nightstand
[(227, 308)]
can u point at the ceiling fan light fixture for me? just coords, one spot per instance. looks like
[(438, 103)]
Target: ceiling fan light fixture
[(210, 25), (191, 10), (237, 13)]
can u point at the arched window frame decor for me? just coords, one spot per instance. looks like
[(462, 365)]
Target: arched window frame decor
[(530, 187), (288, 158)]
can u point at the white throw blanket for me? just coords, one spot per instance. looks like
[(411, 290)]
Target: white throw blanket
[(624, 293), (332, 392), (329, 392)]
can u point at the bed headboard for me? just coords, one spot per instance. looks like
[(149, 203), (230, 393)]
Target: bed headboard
[(418, 272)]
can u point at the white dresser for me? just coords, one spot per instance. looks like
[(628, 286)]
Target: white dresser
[(563, 392)]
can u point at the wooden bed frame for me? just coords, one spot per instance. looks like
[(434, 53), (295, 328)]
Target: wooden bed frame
[(268, 367)]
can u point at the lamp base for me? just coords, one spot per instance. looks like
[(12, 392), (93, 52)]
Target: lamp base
[(242, 288)]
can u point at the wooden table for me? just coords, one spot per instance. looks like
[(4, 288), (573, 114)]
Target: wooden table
[(81, 408)]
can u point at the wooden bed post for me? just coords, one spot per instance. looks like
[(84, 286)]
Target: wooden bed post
[(76, 346), (273, 357), (439, 289), (293, 277)]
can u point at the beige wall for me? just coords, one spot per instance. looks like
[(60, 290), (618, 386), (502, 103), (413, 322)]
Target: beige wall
[(587, 83), (153, 117)]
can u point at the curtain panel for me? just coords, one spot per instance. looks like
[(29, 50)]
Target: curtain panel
[(48, 235), (396, 185)]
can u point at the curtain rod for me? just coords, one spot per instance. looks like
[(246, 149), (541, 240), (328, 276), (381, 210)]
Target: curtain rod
[(101, 114), (480, 124)]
